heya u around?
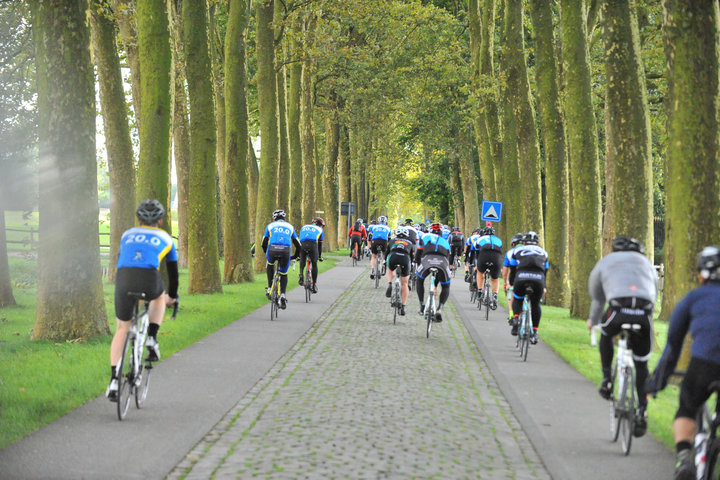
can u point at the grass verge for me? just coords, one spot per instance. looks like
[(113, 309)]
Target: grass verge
[(569, 338), (41, 381)]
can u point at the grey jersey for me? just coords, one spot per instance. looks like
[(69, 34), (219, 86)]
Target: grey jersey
[(618, 275)]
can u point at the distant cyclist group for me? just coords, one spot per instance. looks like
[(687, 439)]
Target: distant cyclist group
[(623, 287)]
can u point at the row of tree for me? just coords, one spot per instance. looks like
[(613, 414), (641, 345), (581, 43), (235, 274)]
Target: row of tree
[(398, 106)]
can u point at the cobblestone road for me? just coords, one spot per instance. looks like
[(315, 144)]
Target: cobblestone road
[(359, 397)]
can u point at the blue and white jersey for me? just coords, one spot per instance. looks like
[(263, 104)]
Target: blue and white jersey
[(145, 247), (311, 232), (529, 257), (489, 242), (508, 256), (280, 233), (473, 242), (381, 232), (445, 233), (434, 245)]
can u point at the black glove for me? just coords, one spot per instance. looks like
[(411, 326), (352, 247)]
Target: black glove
[(321, 259)]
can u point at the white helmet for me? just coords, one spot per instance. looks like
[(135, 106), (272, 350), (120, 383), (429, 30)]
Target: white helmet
[(402, 231)]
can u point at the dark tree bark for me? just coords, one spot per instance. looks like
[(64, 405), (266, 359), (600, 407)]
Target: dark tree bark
[(70, 300), (6, 293)]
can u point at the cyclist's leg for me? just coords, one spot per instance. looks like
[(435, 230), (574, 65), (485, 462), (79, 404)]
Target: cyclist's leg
[(404, 279), (610, 326), (302, 259), (641, 345), (420, 286), (313, 252), (283, 267)]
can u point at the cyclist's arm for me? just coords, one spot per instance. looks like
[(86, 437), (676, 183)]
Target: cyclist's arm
[(264, 244), (173, 276), (679, 324), (320, 242), (597, 294), (298, 246)]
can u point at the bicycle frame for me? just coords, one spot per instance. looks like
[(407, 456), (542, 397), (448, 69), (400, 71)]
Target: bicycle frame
[(430, 305), (707, 444), (623, 405)]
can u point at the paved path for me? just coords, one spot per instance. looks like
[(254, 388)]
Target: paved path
[(335, 390)]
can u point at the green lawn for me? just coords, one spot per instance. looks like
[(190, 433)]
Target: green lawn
[(42, 380)]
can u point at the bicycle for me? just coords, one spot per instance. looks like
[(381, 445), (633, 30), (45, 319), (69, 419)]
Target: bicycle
[(395, 298), (430, 308), (473, 286), (132, 374), (485, 297), (454, 266), (355, 255), (274, 294), (377, 272), (624, 401), (525, 328), (307, 271), (707, 443)]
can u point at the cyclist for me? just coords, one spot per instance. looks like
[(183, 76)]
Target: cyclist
[(311, 238), (433, 252), (470, 253), (445, 232), (357, 235), (412, 231), (698, 313), (399, 251), (456, 239), (626, 281), (531, 262), (488, 257), (142, 249), (380, 235), (508, 271), (278, 238)]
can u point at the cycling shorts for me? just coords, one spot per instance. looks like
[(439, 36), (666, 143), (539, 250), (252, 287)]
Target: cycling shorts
[(694, 388), (378, 245), (308, 249), (400, 258), (491, 260), (532, 279), (281, 253), (641, 340), (434, 261), (138, 280)]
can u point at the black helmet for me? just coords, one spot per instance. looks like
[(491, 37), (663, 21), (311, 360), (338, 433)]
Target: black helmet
[(488, 231), (625, 244), (531, 238), (708, 261), (279, 215), (456, 229), (150, 211), (517, 238), (408, 221)]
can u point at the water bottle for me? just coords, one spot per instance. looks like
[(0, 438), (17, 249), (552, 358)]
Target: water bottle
[(593, 335), (700, 444)]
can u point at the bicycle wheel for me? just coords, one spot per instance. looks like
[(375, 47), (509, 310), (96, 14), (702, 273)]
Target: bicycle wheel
[(712, 460), (429, 314), (274, 299), (615, 406), (141, 388), (628, 414), (125, 377), (525, 346), (396, 302), (377, 273)]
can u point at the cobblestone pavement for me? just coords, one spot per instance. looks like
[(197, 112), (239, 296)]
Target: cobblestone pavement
[(358, 397)]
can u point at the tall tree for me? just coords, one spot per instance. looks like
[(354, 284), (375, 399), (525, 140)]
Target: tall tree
[(154, 57), (691, 166), (629, 184), (330, 173), (556, 162), (294, 91), (267, 104), (180, 130), (117, 132), (6, 292), (70, 300), (253, 174), (344, 189), (236, 222), (204, 271), (307, 125), (583, 154), (127, 23), (519, 90), (471, 213), (283, 180)]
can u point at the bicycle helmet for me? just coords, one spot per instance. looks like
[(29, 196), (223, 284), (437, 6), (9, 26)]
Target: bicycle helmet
[(436, 228), (456, 229), (708, 261), (476, 231), (373, 222), (408, 221), (279, 215), (150, 211), (318, 221), (622, 243), (517, 238), (382, 219), (402, 231), (531, 238), (488, 231), (359, 220)]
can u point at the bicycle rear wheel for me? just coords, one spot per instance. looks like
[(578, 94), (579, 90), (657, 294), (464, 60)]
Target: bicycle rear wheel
[(377, 273), (712, 460), (125, 377), (141, 389), (396, 302), (615, 407), (274, 300), (430, 313), (527, 331), (628, 414)]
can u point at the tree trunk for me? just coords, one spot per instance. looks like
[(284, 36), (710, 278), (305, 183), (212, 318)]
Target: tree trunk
[(294, 143), (253, 173), (583, 155), (471, 214), (154, 54), (307, 129), (127, 26), (237, 227), (117, 132), (180, 133), (528, 147), (70, 300), (457, 189), (283, 180), (556, 163), (6, 293), (344, 189), (267, 104), (692, 198), (330, 175), (204, 271), (629, 154), (217, 60)]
